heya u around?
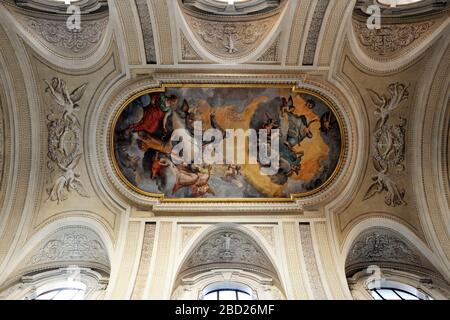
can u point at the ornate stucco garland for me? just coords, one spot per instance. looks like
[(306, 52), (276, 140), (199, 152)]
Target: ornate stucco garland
[(388, 145), (64, 140)]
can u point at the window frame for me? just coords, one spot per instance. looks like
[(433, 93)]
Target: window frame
[(236, 291), (228, 286), (395, 286)]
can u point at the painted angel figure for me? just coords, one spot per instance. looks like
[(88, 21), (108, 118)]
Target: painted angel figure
[(67, 101), (69, 180)]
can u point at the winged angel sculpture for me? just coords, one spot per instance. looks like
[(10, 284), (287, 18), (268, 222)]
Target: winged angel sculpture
[(388, 145), (67, 122), (67, 101), (69, 180)]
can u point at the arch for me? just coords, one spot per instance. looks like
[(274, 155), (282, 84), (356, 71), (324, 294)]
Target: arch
[(195, 265), (426, 34), (362, 282), (96, 232), (57, 56), (91, 282), (400, 231), (275, 17)]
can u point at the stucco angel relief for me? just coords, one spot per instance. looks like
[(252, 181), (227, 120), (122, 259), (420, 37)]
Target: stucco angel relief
[(394, 195), (68, 102), (64, 140), (67, 181), (388, 144), (185, 142), (385, 105)]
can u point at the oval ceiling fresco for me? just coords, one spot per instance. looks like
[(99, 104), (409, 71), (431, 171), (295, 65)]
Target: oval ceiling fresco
[(227, 142)]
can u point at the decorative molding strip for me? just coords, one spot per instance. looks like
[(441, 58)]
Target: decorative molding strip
[(297, 31), (187, 233), (311, 262), (147, 30), (293, 261), (267, 233), (187, 51), (162, 261), (314, 32), (162, 27), (272, 54), (295, 207), (144, 264), (2, 143)]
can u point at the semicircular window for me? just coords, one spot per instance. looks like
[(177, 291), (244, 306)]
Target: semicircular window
[(398, 2), (390, 290), (68, 291), (228, 291)]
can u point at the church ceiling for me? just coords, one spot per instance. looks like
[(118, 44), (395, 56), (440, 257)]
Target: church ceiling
[(372, 90)]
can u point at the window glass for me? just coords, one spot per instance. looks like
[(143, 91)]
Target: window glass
[(227, 294), (397, 291), (62, 294), (70, 290), (398, 2)]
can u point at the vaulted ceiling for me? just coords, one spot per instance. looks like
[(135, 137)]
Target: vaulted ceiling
[(401, 69)]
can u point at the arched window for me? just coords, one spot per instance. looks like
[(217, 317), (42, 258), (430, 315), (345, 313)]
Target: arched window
[(59, 284), (398, 2), (391, 290), (238, 268), (228, 291), (69, 290), (227, 294)]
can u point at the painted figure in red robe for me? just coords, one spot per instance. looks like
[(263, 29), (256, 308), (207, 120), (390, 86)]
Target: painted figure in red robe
[(159, 110)]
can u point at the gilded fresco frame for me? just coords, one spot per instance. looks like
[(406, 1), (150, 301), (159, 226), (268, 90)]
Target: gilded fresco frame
[(293, 197)]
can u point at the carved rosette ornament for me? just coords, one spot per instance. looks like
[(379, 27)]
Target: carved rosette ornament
[(390, 39), (232, 38), (388, 145), (64, 140)]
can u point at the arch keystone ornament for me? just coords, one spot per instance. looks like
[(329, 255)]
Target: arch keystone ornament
[(227, 143)]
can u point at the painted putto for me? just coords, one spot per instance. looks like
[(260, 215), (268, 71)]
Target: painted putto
[(236, 134)]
